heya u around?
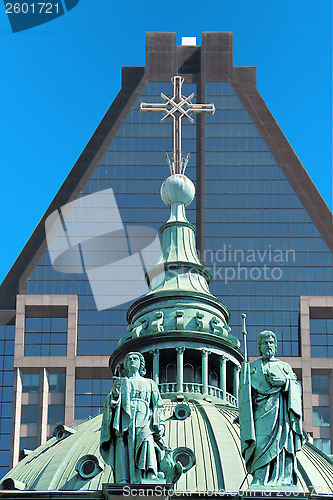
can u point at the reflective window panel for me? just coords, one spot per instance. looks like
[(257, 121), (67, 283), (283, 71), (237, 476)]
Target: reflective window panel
[(321, 416), (56, 414), (30, 414), (90, 396), (45, 337), (261, 245), (57, 382), (321, 337), (30, 382), (320, 384)]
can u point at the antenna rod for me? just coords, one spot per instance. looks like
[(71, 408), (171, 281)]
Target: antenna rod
[(244, 332)]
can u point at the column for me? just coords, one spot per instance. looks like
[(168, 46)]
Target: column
[(236, 380), (204, 365), (156, 365), (223, 375), (71, 359), (180, 368), (44, 403), (16, 416)]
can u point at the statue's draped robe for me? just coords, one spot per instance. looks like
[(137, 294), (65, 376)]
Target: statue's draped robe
[(271, 423), (128, 427)]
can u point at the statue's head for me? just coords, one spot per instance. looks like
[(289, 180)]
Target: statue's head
[(267, 343), (128, 358)]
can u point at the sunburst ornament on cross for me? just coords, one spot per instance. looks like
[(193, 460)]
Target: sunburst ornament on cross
[(177, 107)]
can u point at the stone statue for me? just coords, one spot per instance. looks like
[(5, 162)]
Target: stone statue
[(270, 415), (133, 425)]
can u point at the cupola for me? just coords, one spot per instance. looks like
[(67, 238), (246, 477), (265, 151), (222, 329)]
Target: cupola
[(179, 326)]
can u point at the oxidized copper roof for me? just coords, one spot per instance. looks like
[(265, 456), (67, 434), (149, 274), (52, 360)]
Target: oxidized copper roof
[(209, 431)]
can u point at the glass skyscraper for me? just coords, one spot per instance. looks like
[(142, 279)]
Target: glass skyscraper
[(263, 231)]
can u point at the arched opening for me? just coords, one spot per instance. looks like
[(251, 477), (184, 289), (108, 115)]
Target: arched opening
[(171, 372), (188, 373), (213, 379)]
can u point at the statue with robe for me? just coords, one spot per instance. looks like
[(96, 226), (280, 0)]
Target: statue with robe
[(270, 416), (133, 425)]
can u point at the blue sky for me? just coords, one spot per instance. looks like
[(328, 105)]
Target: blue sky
[(58, 80)]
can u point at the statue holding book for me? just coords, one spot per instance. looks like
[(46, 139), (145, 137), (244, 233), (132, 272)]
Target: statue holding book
[(270, 414)]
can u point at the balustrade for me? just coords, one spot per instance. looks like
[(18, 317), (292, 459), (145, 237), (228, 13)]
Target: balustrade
[(167, 387), (231, 399), (193, 387)]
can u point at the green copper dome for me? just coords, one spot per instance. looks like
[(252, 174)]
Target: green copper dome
[(208, 430)]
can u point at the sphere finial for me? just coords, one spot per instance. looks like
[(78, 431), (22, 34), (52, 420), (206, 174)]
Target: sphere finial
[(177, 189)]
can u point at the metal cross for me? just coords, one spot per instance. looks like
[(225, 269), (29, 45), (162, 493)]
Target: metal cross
[(177, 107)]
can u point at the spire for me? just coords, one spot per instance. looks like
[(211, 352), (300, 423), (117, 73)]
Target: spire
[(179, 320), (179, 262), (179, 274)]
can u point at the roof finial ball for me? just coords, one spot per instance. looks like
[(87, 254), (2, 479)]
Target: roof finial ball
[(177, 191)]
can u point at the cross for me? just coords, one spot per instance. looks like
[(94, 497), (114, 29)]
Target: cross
[(177, 107)]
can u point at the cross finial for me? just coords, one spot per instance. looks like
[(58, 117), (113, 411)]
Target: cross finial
[(177, 107)]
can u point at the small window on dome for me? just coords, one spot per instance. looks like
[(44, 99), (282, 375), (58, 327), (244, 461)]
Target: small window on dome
[(89, 466), (12, 484), (61, 432), (184, 459), (182, 411), (185, 456)]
